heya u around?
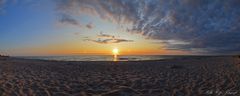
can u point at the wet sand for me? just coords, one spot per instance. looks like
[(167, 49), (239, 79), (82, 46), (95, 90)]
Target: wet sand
[(192, 76)]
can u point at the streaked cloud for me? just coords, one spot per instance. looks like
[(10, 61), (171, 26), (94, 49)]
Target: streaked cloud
[(70, 20), (107, 39), (102, 35), (208, 26)]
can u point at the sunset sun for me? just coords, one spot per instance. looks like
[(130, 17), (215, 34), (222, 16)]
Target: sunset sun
[(115, 51)]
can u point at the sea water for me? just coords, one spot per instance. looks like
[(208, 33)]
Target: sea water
[(101, 57)]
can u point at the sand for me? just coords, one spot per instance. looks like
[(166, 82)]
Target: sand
[(193, 76)]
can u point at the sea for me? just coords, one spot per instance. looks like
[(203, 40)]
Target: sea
[(102, 57)]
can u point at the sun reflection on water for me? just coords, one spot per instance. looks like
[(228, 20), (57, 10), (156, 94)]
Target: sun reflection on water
[(115, 58), (115, 52)]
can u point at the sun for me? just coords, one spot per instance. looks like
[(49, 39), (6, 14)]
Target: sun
[(115, 51)]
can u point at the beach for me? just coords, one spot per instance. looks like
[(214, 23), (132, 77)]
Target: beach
[(192, 76)]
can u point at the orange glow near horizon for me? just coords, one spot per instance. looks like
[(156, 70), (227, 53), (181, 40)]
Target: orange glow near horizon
[(72, 48), (100, 51)]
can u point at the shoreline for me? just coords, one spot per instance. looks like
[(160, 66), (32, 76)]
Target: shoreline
[(172, 57)]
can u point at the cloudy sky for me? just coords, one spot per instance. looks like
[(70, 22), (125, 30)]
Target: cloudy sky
[(146, 27)]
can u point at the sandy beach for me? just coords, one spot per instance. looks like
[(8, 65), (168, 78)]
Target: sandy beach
[(195, 76)]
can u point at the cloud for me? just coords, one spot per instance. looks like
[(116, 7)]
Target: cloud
[(2, 4), (107, 39), (121, 40), (102, 35), (208, 26), (67, 19), (76, 33), (90, 26)]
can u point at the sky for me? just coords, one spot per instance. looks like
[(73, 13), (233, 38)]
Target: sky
[(135, 27)]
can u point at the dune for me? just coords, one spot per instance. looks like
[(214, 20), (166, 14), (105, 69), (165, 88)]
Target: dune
[(192, 76)]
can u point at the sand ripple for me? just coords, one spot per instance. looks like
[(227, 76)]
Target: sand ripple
[(181, 77)]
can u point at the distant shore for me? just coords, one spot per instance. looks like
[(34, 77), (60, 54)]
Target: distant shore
[(219, 75)]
